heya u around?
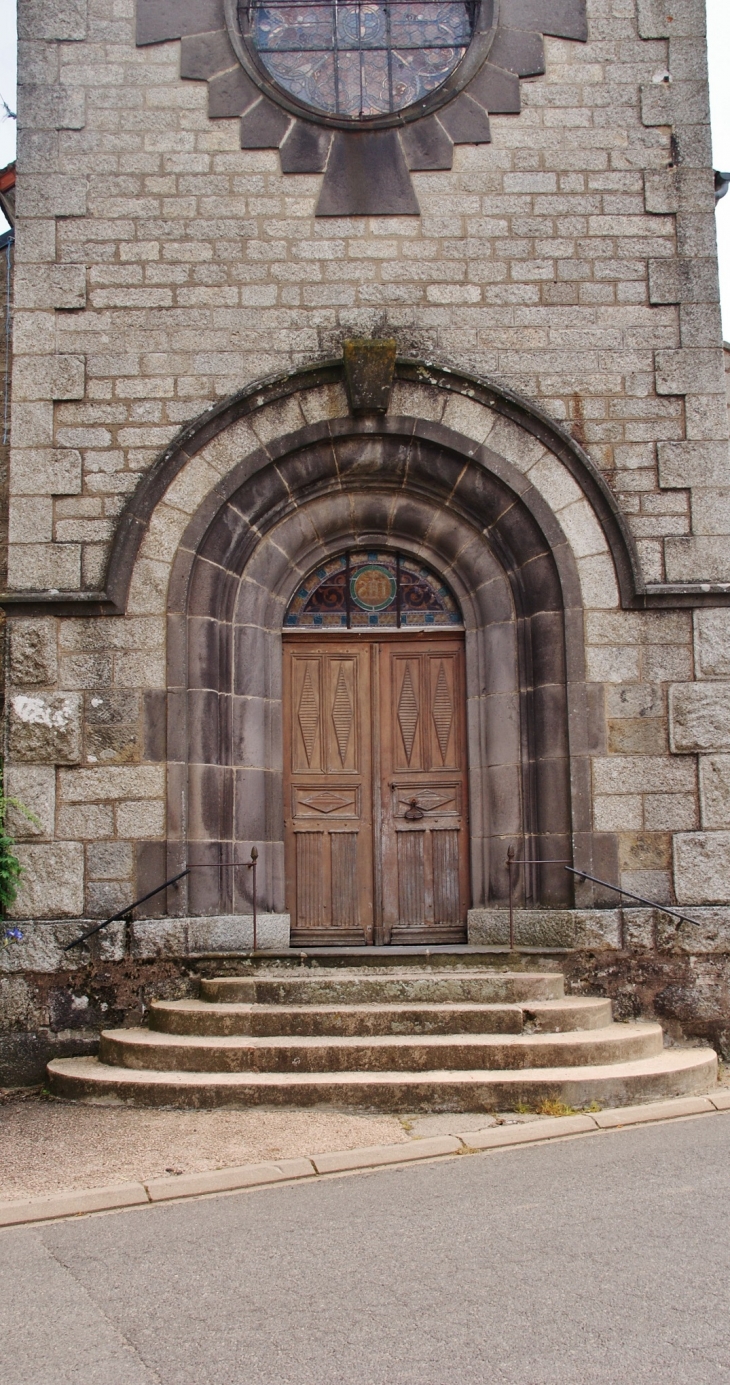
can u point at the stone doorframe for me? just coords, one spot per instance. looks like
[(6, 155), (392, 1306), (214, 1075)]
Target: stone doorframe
[(472, 515)]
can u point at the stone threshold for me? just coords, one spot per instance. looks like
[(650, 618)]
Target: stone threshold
[(59, 1206)]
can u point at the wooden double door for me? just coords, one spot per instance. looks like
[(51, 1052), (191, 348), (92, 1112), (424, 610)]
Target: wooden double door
[(375, 789)]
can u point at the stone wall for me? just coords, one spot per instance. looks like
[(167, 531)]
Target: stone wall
[(162, 267), (87, 739), (7, 259), (54, 1001)]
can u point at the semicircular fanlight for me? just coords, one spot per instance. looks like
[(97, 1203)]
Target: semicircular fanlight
[(370, 588)]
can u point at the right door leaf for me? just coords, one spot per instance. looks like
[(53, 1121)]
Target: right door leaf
[(425, 841)]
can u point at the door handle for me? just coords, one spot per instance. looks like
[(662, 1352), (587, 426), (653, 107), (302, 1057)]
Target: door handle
[(413, 812)]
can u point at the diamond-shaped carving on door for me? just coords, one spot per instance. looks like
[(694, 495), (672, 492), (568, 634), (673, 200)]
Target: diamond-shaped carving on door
[(430, 800), (308, 714), (342, 714), (443, 711), (375, 787), (408, 713), (327, 801), (327, 798)]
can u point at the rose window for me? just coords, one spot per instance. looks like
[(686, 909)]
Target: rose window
[(362, 59), (365, 92)]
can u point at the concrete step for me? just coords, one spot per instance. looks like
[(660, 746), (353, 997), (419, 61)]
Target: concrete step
[(205, 1017), (673, 1072), (377, 985), (144, 1048)]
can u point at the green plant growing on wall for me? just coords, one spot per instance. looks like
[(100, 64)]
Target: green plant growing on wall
[(10, 868)]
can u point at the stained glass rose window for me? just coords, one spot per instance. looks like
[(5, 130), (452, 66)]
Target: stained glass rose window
[(362, 59), (365, 92)]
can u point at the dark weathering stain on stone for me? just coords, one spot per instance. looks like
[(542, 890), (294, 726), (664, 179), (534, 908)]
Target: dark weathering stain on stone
[(367, 176), (369, 368)]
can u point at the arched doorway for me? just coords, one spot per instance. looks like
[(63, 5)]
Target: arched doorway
[(397, 485), (375, 773)]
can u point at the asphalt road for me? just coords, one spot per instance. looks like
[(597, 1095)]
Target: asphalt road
[(604, 1259)]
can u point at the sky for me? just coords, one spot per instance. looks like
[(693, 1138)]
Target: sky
[(718, 47), (718, 27), (7, 81)]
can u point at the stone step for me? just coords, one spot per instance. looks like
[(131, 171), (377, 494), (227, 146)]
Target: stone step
[(144, 1048), (361, 987), (568, 1013), (673, 1072), (211, 1018), (436, 955)]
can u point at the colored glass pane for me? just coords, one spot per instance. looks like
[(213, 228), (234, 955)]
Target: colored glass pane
[(373, 588), (360, 59), (321, 601), (365, 588)]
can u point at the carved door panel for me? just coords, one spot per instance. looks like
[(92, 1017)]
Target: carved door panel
[(375, 790), (328, 791), (423, 791)]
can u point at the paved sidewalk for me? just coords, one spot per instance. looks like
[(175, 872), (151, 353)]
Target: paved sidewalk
[(596, 1260), (415, 1138), (49, 1146)]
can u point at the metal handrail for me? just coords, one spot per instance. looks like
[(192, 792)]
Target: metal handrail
[(211, 865), (583, 875), (251, 865), (124, 913), (651, 903)]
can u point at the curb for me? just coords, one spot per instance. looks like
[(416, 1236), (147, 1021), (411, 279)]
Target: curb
[(176, 1189)]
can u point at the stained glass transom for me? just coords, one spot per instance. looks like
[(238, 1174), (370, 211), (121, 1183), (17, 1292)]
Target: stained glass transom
[(360, 59), (371, 588)]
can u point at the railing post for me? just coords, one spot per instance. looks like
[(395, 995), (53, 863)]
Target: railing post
[(252, 868), (510, 869)]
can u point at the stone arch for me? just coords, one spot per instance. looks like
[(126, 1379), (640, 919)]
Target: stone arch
[(476, 519), (425, 390)]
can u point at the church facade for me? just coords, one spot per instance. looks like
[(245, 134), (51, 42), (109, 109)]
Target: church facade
[(370, 483)]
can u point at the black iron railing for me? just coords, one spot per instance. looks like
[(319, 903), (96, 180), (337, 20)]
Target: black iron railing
[(511, 863), (126, 913), (619, 889), (582, 875)]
